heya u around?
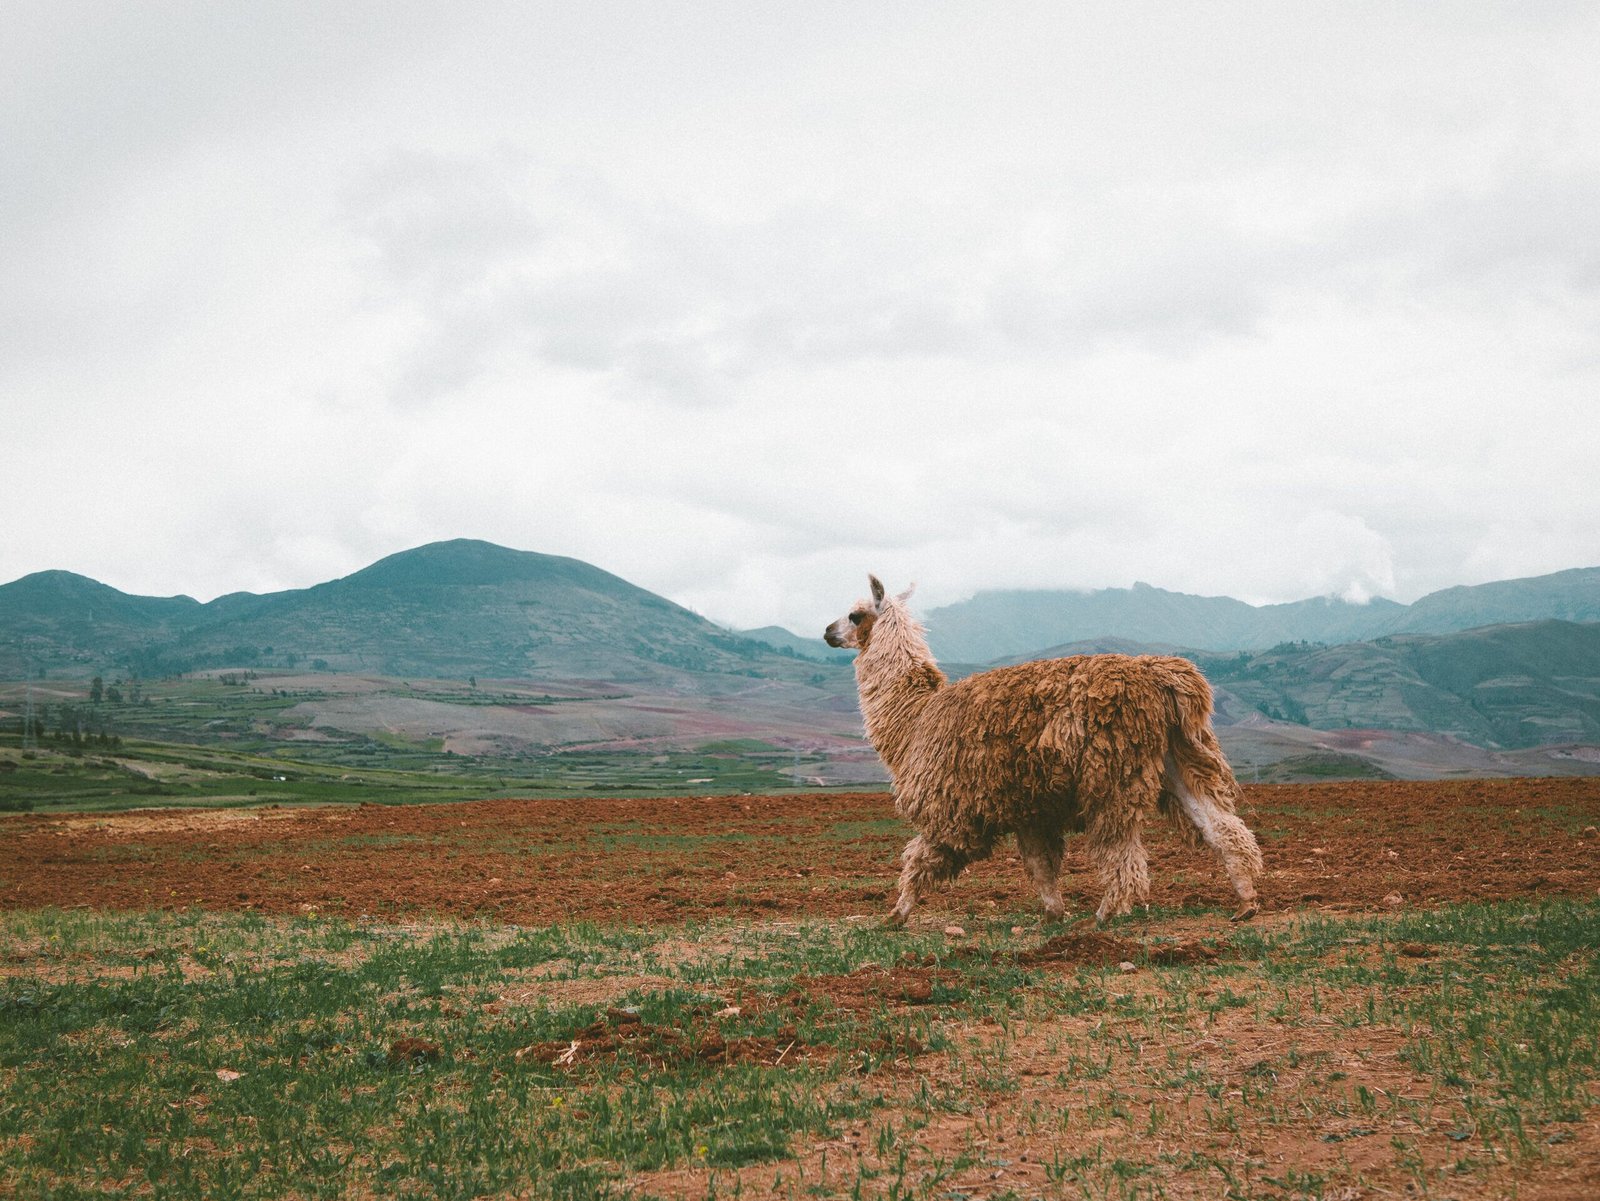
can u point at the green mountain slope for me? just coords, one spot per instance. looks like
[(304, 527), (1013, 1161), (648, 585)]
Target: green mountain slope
[(1566, 595), (59, 618), (1523, 685), (448, 610)]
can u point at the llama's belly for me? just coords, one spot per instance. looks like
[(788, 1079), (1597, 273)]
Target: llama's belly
[(991, 785)]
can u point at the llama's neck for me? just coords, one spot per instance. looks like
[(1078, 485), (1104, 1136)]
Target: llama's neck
[(896, 676)]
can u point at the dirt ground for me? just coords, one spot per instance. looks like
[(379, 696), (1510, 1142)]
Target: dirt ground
[(1360, 846), (1340, 847)]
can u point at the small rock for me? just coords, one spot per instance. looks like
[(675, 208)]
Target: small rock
[(732, 1011), (955, 932), (1127, 965), (1394, 900), (1018, 930), (1391, 854), (228, 1075), (1591, 832)]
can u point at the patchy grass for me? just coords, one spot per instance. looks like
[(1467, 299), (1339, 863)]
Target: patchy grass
[(1450, 1052)]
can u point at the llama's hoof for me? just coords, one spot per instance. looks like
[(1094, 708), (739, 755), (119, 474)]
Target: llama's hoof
[(1246, 911), (1104, 914), (895, 919)]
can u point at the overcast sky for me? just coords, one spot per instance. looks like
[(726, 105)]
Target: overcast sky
[(742, 301)]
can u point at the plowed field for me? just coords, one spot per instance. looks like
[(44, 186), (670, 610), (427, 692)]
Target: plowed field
[(715, 1032), (1342, 846)]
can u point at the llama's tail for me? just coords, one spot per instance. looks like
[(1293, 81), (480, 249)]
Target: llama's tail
[(1198, 791)]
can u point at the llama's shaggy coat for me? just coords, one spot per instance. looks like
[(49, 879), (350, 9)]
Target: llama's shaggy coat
[(1091, 743)]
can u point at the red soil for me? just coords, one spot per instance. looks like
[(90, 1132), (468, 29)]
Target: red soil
[(1343, 846)]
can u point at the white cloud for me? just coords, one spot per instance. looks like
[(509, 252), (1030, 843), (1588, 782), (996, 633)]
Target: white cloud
[(742, 305)]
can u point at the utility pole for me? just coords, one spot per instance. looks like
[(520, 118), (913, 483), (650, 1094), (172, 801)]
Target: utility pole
[(29, 741)]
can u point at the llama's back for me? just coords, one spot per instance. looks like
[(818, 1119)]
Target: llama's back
[(1040, 740)]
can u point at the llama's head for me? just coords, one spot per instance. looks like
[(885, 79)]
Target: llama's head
[(853, 631)]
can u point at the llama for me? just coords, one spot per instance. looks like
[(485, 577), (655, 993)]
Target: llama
[(1090, 743)]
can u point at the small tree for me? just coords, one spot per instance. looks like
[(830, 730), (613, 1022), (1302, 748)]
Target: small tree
[(96, 688)]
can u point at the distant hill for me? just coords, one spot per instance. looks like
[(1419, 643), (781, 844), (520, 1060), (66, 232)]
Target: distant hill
[(996, 625), (784, 640), (446, 610), (1511, 686), (60, 619), (1566, 595)]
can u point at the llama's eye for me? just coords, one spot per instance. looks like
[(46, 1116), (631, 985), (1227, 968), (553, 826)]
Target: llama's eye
[(855, 618)]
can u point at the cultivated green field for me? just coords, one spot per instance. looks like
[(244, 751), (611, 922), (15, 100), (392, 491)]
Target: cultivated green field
[(233, 738), (56, 779), (1440, 1054)]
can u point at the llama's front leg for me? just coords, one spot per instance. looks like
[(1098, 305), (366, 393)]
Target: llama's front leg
[(924, 863), (1041, 855)]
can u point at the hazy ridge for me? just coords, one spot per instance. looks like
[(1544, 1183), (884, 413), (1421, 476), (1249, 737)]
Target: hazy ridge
[(995, 625)]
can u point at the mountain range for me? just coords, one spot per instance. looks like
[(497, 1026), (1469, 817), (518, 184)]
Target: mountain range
[(446, 610), (1292, 681), (996, 625)]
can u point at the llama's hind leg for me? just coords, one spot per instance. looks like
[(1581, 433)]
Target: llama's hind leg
[(925, 864), (1228, 837), (1041, 855), (1119, 859)]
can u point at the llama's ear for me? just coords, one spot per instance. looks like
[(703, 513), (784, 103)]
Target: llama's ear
[(906, 595), (877, 589)]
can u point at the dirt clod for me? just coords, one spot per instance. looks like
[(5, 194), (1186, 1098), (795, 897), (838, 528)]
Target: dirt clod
[(412, 1051), (1093, 948)]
